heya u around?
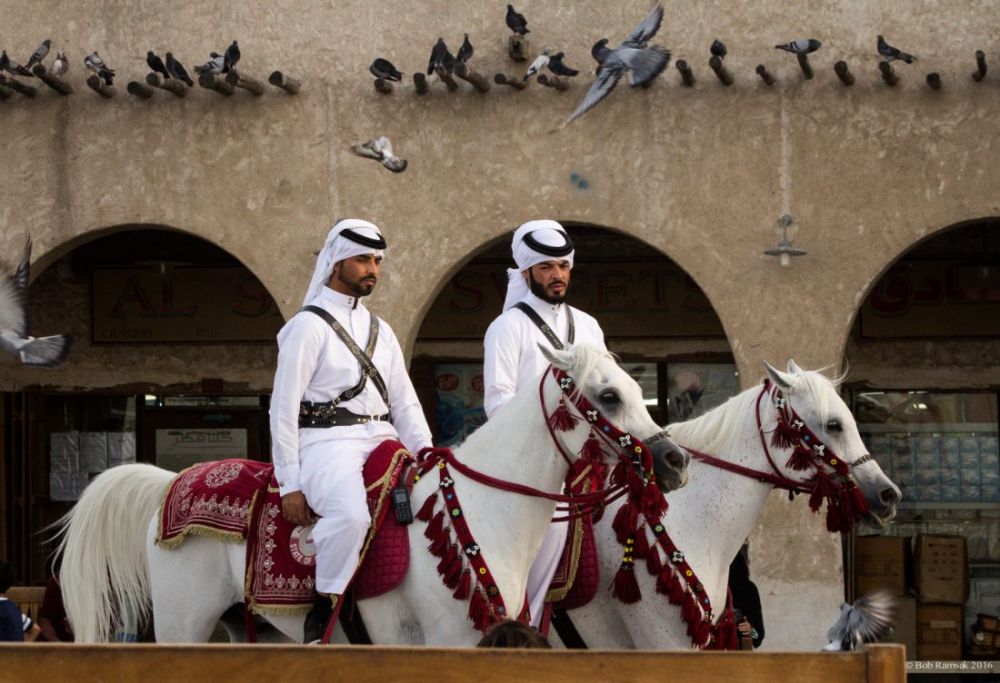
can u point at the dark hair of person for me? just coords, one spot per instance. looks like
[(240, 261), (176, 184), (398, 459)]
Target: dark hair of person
[(513, 634)]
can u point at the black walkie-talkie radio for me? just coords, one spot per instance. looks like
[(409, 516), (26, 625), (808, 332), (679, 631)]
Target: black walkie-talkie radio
[(401, 504)]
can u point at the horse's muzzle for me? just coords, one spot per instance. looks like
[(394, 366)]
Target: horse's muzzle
[(670, 462)]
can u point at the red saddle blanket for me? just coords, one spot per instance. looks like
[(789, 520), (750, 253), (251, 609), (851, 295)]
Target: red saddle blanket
[(578, 576), (238, 499)]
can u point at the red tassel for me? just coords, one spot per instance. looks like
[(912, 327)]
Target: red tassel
[(435, 525), (479, 611), (619, 475), (676, 593), (427, 509), (592, 450), (625, 586), (689, 611), (822, 488), (454, 572), (703, 634), (654, 564), (464, 584), (625, 522), (800, 459), (450, 553), (641, 548), (654, 503), (562, 420), (441, 543), (785, 435)]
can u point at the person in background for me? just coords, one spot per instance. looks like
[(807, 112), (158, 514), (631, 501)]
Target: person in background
[(746, 599), (52, 615), (15, 626)]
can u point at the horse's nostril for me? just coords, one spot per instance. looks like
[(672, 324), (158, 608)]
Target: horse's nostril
[(888, 495), (677, 458)]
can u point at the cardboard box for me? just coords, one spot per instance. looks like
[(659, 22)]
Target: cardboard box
[(881, 562), (904, 630), (941, 569), (939, 632)]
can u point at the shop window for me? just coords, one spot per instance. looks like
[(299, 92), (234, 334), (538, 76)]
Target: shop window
[(459, 403), (693, 389), (87, 435)]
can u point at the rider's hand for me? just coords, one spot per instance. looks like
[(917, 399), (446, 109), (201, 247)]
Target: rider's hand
[(295, 509), (744, 627)]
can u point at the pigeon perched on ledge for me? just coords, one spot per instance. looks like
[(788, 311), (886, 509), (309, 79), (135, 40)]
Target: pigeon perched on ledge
[(386, 70), (380, 149), (803, 46), (893, 53), (38, 55), (94, 62), (42, 352), (61, 65), (516, 22), (214, 65)]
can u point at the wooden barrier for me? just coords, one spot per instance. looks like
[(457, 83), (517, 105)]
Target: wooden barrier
[(271, 663)]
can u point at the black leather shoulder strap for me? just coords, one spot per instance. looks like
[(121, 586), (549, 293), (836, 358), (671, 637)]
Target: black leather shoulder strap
[(544, 327)]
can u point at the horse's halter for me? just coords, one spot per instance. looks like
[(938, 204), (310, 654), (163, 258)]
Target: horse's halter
[(831, 477)]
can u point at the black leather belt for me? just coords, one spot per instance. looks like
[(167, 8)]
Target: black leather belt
[(322, 415)]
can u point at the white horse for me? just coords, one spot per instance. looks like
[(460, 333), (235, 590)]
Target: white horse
[(709, 519), (112, 565)]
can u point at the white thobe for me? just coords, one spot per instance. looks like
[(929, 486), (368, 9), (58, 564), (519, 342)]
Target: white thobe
[(326, 463), (511, 360)]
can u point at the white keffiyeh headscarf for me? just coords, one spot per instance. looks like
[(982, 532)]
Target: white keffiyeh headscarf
[(362, 237), (535, 242)]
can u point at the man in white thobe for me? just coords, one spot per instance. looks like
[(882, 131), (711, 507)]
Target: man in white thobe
[(327, 415), (536, 294)]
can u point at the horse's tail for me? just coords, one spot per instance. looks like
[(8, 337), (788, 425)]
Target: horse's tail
[(105, 574)]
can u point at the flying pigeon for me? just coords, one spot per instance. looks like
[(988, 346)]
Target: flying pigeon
[(214, 65), (557, 67), (441, 58), (156, 64), (803, 46), (380, 149), (38, 55), (600, 52), (516, 22), (60, 65), (718, 49), (642, 63), (465, 51), (94, 62), (37, 352), (12, 67), (386, 70), (541, 61), (178, 71), (868, 620), (231, 57), (892, 53)]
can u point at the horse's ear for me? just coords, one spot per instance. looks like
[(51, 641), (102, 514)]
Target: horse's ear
[(782, 379), (794, 368), (560, 359)]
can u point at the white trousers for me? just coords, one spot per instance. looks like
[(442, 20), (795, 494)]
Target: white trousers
[(331, 478), (544, 568)]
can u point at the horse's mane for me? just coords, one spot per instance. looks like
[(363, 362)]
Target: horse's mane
[(585, 359), (715, 431)]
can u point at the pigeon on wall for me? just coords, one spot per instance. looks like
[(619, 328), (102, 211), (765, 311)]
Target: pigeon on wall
[(803, 46), (177, 70), (465, 51), (36, 352), (231, 57), (516, 22), (61, 65), (215, 64), (718, 49), (891, 53), (386, 70), (10, 66), (156, 64), (38, 55), (541, 61), (441, 58), (380, 149), (643, 64), (94, 63), (558, 67)]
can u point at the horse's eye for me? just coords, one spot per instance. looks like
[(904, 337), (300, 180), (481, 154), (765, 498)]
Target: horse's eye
[(609, 397), (834, 427)]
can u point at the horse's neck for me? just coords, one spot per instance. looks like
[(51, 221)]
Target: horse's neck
[(515, 446), (711, 517)]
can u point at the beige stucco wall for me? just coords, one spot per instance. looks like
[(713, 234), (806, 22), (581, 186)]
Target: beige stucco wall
[(702, 173)]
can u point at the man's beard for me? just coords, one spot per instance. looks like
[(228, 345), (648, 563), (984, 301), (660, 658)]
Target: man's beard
[(360, 288), (538, 290)]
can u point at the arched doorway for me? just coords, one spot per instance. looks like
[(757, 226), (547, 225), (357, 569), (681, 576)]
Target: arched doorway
[(925, 387), (171, 364), (654, 316)]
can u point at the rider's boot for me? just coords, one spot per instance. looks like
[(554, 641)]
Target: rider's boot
[(318, 616)]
